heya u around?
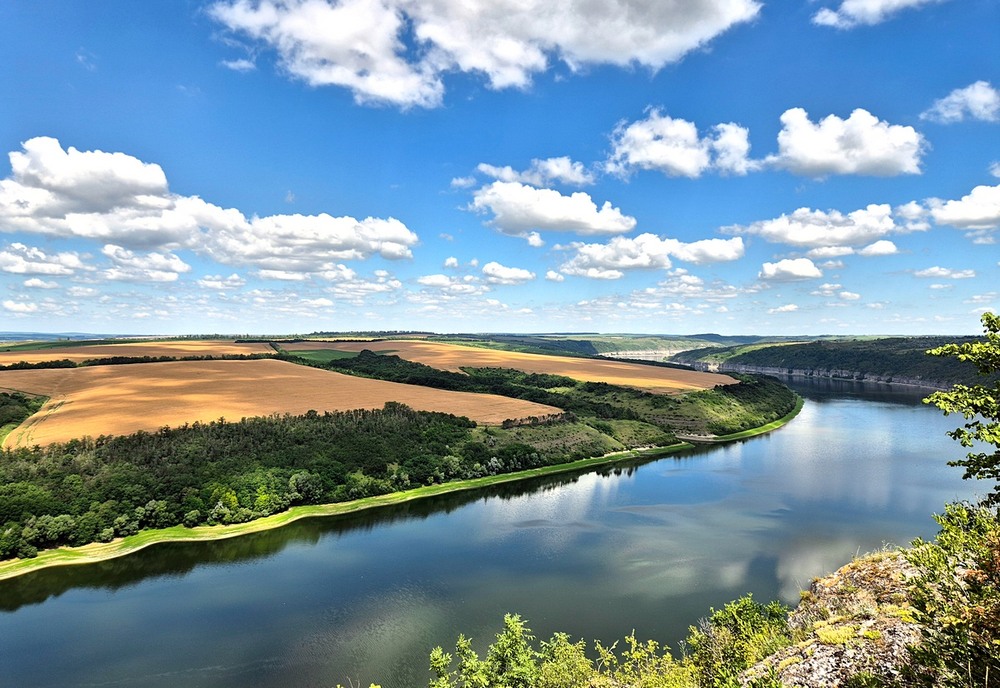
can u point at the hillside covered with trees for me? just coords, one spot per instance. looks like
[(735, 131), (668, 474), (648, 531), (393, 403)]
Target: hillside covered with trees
[(893, 359)]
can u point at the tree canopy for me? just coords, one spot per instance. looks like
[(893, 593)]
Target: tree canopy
[(979, 404)]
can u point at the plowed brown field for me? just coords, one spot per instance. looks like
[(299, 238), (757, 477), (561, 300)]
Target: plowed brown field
[(110, 400), (452, 356), (206, 347)]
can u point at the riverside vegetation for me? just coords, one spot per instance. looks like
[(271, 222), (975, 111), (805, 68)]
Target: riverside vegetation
[(924, 616), (98, 489)]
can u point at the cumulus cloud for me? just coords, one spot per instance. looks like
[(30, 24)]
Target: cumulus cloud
[(118, 199), (848, 296), (453, 286), (861, 144), (825, 230), (790, 269), (397, 51), (646, 251), (852, 13), (787, 308), (20, 307), (883, 247), (938, 272), (218, 282), (36, 283), (519, 208), (451, 262), (501, 274), (977, 101), (675, 148), (28, 260), (979, 210), (553, 276), (542, 172), (151, 267)]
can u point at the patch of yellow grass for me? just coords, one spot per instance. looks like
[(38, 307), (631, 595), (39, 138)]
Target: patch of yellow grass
[(122, 399), (453, 357), (177, 349)]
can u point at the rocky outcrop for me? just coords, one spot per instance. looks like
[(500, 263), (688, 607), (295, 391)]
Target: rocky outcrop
[(851, 628)]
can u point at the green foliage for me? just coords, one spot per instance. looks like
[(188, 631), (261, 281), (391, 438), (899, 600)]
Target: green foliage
[(888, 358), (956, 596), (979, 404), (513, 662), (735, 638), (15, 408)]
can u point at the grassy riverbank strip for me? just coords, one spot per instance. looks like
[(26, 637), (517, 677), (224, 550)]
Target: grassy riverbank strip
[(95, 552)]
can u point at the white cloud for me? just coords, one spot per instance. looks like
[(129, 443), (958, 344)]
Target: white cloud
[(553, 276), (534, 239), (463, 182), (20, 308), (152, 267), (830, 252), (825, 230), (81, 292), (501, 274), (219, 282), (362, 45), (674, 147), (790, 269), (121, 200), (978, 210), (828, 289), (787, 308), (995, 169), (542, 172), (453, 286), (914, 215), (849, 296), (646, 251), (883, 247), (852, 13), (938, 272), (36, 283), (318, 303), (451, 262), (860, 144), (518, 209), (977, 101), (240, 65), (28, 260)]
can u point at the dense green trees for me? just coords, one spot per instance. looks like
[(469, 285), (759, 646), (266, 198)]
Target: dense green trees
[(978, 403)]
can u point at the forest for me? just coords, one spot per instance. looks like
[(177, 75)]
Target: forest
[(899, 358)]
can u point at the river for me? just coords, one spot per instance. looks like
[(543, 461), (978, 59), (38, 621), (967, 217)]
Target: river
[(645, 546)]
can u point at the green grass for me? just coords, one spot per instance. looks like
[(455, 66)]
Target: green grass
[(799, 403)]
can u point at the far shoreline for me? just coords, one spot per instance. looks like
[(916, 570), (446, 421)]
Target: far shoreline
[(119, 547)]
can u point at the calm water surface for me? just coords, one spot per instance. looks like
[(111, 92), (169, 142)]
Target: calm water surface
[(648, 547)]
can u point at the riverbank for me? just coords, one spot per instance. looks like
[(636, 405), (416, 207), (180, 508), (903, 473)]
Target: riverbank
[(95, 552)]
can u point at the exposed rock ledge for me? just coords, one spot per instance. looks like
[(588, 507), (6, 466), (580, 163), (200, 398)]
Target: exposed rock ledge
[(857, 621), (834, 374)]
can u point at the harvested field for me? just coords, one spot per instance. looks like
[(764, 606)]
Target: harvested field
[(453, 356), (180, 348), (123, 399)]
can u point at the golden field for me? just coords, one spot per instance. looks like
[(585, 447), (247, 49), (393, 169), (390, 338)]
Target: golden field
[(119, 399), (175, 348), (453, 356)]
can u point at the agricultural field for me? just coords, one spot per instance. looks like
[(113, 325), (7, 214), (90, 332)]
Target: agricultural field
[(175, 348), (123, 399), (454, 357)]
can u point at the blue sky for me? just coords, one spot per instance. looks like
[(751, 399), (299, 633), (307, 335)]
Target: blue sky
[(731, 166)]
